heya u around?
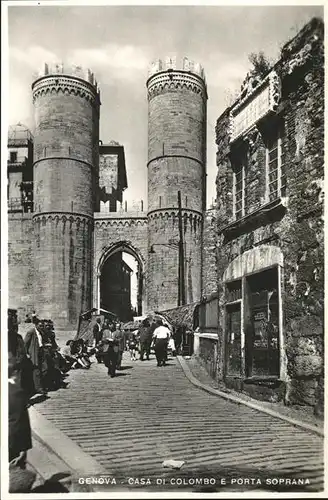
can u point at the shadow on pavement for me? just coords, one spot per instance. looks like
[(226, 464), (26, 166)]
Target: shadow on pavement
[(32, 401), (125, 368), (53, 484)]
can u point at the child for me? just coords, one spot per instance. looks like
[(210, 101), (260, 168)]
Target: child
[(132, 344)]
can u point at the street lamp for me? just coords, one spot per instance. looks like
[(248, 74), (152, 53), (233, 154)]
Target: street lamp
[(171, 244)]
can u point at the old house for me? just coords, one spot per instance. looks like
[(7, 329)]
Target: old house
[(270, 249)]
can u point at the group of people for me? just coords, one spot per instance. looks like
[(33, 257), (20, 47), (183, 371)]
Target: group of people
[(110, 342), (40, 365), (36, 365)]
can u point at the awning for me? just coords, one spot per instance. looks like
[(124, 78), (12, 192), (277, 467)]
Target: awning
[(185, 316)]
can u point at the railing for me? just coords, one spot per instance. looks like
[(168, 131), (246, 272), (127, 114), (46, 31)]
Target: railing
[(20, 205), (15, 205), (18, 136), (19, 161)]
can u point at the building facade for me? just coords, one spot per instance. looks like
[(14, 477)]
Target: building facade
[(270, 251), (62, 244)]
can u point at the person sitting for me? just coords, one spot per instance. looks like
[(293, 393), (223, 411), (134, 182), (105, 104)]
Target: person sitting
[(77, 352), (83, 352), (53, 375), (66, 352)]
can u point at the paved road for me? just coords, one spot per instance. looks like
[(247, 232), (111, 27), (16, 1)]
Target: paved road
[(132, 423)]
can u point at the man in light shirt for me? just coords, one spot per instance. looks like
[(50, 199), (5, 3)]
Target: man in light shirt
[(161, 338), (34, 350)]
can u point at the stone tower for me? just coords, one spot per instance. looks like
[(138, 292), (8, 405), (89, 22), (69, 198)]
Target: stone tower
[(177, 102), (66, 172)]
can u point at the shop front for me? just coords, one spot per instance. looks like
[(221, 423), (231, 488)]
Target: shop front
[(253, 347)]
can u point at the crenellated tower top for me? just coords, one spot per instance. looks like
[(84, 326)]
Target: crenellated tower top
[(171, 74), (68, 78)]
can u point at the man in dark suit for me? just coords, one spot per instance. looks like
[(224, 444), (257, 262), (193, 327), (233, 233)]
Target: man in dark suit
[(35, 352), (97, 331)]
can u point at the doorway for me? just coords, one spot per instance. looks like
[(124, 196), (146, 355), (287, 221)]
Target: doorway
[(120, 284)]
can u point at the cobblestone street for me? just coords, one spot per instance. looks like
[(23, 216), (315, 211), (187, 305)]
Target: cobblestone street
[(130, 424)]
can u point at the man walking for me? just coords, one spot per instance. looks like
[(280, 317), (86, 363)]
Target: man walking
[(111, 350), (161, 337), (145, 333), (119, 338)]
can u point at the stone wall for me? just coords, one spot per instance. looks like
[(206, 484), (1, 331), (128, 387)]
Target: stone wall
[(297, 226), (209, 264), (207, 354), (163, 262), (20, 264)]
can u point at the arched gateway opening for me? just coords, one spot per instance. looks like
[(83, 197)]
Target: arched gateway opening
[(120, 278)]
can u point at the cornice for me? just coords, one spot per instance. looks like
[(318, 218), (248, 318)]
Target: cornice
[(120, 222), (173, 81), (173, 212), (71, 217), (66, 85)]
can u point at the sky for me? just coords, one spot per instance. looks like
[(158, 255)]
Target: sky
[(118, 43)]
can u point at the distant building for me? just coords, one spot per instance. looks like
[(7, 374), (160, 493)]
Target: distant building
[(116, 287), (20, 169)]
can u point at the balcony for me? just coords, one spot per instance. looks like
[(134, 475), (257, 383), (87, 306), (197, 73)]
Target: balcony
[(20, 205), (19, 162)]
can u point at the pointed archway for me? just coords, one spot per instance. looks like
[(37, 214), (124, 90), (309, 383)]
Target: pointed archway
[(114, 280)]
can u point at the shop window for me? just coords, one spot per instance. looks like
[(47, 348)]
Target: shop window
[(233, 291), (262, 330), (233, 340), (233, 328), (275, 165)]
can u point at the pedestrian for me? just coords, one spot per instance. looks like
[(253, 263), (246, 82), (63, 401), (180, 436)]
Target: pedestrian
[(16, 348), (35, 352), (19, 435), (35, 319), (120, 339), (132, 345), (161, 337), (28, 319), (111, 350), (145, 335), (178, 335), (97, 331)]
